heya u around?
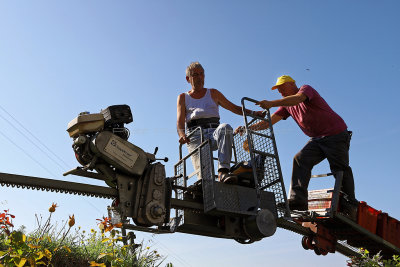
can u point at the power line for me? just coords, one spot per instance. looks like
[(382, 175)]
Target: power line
[(37, 139), (172, 253), (26, 153)]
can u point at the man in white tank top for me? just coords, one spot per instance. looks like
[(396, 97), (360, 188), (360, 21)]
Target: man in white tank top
[(200, 107)]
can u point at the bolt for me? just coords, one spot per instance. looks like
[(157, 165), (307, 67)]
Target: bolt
[(157, 211), (157, 194), (158, 179)]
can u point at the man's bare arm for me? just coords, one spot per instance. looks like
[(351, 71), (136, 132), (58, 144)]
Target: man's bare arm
[(292, 100), (261, 125), (180, 120), (226, 104), (264, 125)]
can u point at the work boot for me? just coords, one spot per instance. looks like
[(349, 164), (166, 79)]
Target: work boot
[(230, 179), (295, 204), (225, 177), (222, 173)]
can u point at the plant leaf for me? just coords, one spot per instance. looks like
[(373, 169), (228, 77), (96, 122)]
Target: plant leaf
[(39, 255), (47, 253), (102, 255), (21, 262), (93, 263)]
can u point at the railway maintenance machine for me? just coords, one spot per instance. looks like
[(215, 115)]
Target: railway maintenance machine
[(192, 200)]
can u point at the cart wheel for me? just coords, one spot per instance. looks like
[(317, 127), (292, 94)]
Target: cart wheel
[(323, 252), (304, 242), (317, 251)]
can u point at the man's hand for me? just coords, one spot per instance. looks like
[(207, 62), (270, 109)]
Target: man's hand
[(260, 113), (265, 104), (240, 130), (184, 139)]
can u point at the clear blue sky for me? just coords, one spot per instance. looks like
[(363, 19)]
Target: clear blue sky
[(58, 58)]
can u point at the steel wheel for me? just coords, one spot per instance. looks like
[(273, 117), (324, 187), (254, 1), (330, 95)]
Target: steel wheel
[(323, 251), (306, 242), (317, 251)]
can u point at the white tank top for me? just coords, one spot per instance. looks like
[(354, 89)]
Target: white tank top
[(204, 107)]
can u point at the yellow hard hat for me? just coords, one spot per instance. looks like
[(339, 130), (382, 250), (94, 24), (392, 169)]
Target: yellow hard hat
[(281, 80)]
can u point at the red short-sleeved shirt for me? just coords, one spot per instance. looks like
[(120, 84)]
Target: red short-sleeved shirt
[(314, 116)]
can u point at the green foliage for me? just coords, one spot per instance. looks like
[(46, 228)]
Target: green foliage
[(375, 261), (48, 246), (15, 250)]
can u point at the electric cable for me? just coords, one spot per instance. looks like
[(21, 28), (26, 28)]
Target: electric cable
[(44, 152), (172, 253), (26, 153), (37, 139)]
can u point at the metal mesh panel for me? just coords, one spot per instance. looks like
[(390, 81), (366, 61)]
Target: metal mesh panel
[(261, 144), (202, 158), (207, 174), (180, 170)]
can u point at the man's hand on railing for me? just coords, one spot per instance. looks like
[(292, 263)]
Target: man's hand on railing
[(260, 113), (265, 104), (183, 139), (240, 130)]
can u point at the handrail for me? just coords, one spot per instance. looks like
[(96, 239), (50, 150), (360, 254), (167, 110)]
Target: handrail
[(266, 118), (249, 141), (189, 135)]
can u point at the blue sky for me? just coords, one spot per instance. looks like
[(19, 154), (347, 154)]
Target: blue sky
[(60, 58)]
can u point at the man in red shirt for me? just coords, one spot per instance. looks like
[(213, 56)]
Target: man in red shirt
[(330, 138)]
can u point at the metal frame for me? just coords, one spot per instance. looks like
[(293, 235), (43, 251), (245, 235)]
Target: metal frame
[(271, 176), (277, 184)]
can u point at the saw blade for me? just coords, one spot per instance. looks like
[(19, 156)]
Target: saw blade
[(29, 182)]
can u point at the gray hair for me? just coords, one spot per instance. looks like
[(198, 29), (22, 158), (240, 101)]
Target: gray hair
[(193, 66)]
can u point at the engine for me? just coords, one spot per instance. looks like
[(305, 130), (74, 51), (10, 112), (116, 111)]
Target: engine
[(100, 143)]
